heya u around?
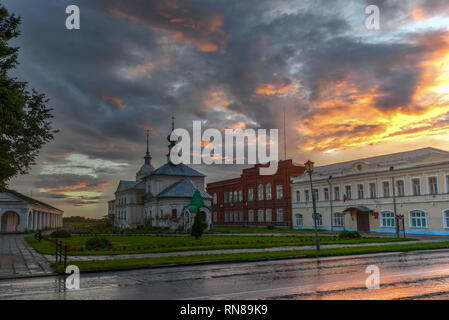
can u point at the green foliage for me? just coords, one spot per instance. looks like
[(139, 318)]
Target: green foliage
[(24, 125), (349, 235), (198, 226), (60, 234), (98, 243), (270, 227)]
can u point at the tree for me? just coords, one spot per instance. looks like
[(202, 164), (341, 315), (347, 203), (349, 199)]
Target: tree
[(198, 226), (24, 116)]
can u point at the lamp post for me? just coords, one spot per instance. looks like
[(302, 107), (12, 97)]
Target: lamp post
[(394, 202), (309, 169), (329, 181)]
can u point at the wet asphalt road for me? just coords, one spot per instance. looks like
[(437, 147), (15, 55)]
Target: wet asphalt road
[(415, 275)]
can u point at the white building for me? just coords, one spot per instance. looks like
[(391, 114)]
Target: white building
[(418, 178), (160, 196), (19, 213)]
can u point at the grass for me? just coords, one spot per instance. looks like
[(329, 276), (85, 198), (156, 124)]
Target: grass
[(180, 260), (238, 229), (156, 244)]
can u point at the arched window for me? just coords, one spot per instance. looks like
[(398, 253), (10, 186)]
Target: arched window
[(418, 219), (299, 220), (268, 191), (260, 192), (446, 218), (215, 198), (319, 220), (339, 219), (387, 219)]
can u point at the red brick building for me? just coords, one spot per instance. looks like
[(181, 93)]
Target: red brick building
[(253, 199)]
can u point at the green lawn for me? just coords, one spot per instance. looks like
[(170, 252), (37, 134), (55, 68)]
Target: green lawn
[(238, 229), (153, 243), (149, 262)]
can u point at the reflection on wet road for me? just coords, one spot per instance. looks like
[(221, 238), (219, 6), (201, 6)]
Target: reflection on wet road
[(415, 275)]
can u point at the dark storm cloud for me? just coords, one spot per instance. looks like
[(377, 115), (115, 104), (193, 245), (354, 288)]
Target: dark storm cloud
[(134, 64)]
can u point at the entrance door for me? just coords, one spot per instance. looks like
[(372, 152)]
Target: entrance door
[(362, 222)]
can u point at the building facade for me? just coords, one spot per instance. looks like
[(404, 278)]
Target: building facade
[(254, 199), (19, 213), (368, 194), (160, 196)]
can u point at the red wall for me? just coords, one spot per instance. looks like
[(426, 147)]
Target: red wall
[(250, 178)]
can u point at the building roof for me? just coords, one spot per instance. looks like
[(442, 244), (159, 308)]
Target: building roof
[(182, 189), (383, 161), (125, 185), (30, 200), (170, 169)]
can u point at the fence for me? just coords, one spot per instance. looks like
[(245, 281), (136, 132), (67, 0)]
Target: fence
[(61, 252)]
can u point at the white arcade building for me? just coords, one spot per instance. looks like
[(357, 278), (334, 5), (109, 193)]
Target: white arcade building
[(19, 213)]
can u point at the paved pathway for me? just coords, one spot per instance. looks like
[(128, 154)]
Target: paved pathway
[(226, 251), (17, 258)]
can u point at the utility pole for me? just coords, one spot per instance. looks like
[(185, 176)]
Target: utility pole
[(394, 202), (309, 168), (285, 139), (330, 200)]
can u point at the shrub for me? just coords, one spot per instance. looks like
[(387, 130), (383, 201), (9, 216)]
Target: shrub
[(98, 243), (60, 234), (198, 226), (349, 234), (270, 227)]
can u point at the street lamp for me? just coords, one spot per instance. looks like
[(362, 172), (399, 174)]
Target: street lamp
[(329, 181), (394, 202), (309, 169)]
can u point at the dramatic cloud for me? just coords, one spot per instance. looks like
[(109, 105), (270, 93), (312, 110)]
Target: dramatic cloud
[(347, 91)]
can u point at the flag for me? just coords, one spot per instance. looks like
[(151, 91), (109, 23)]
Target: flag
[(345, 198)]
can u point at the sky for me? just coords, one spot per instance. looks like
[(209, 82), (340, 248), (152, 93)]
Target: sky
[(348, 92)]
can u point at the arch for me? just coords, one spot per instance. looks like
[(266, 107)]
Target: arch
[(418, 219), (268, 191), (10, 221), (446, 218), (299, 220)]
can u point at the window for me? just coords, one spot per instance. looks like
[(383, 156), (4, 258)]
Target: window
[(174, 213), (446, 218), (268, 215), (387, 219), (299, 220), (400, 190), (316, 195), (416, 187), (360, 191), (433, 185), (260, 192), (230, 197), (447, 184), (386, 189), (280, 215), (215, 198), (372, 191), (279, 192), (215, 217), (319, 220), (348, 192), (298, 196), (268, 191), (236, 216), (306, 196), (326, 194), (240, 196), (225, 197), (418, 219), (236, 196), (251, 215), (241, 216), (338, 219), (250, 194), (336, 193), (260, 215), (231, 217)]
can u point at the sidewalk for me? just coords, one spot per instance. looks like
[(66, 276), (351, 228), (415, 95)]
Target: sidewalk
[(17, 258), (226, 251)]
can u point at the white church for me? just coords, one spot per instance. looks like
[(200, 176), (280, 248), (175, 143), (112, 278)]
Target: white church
[(163, 197)]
